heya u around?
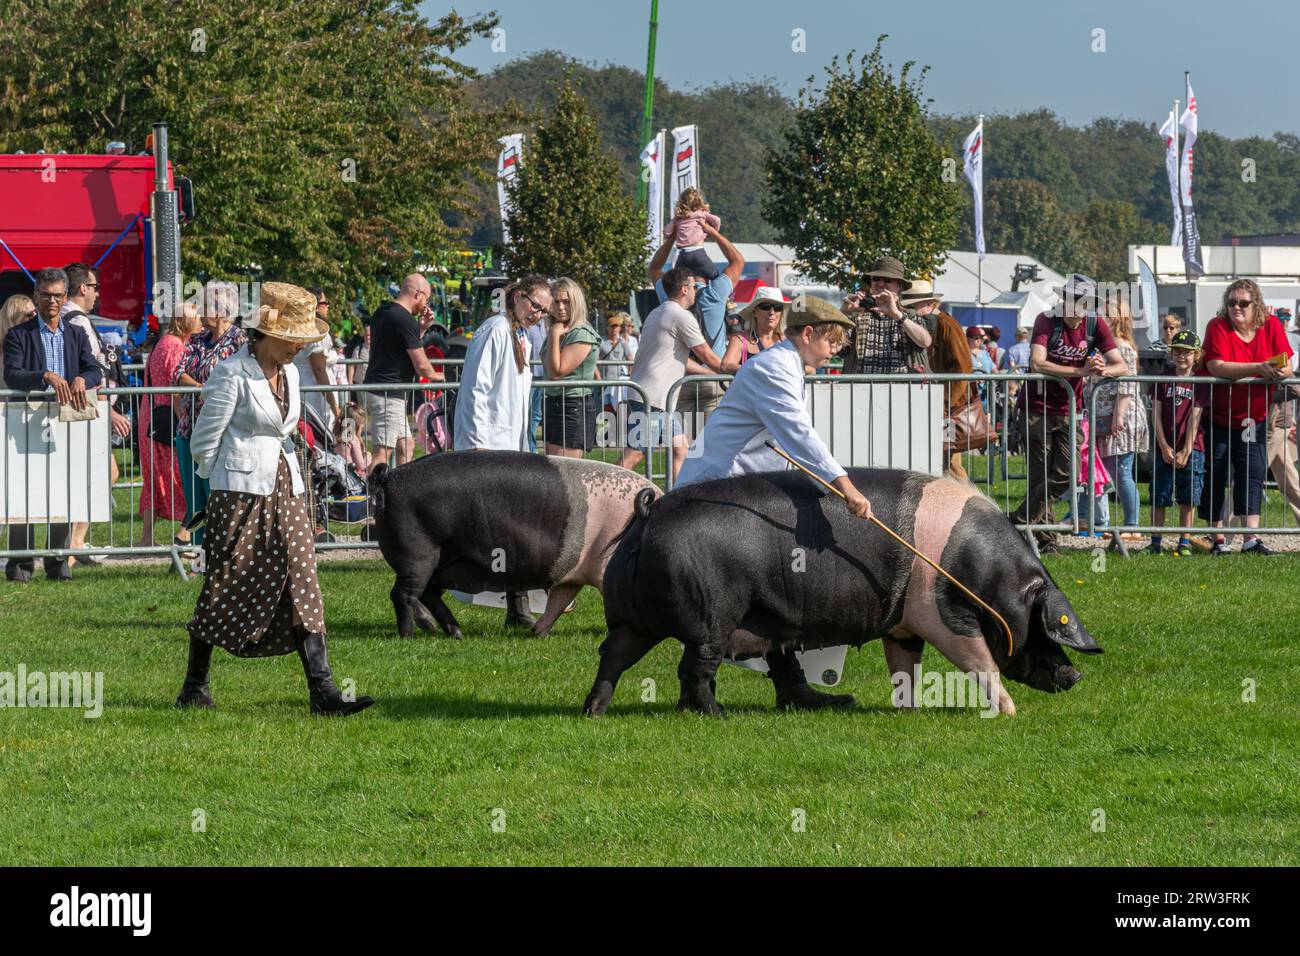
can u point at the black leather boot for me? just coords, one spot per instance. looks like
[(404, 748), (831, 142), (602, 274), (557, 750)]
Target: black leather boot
[(195, 692), (518, 613), (326, 699), (792, 690)]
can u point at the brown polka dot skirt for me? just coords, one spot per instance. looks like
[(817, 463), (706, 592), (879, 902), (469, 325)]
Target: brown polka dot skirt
[(260, 582)]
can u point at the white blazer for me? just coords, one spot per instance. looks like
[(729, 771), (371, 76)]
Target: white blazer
[(492, 404), (239, 436)]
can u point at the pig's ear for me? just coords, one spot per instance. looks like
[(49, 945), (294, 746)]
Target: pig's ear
[(1058, 621)]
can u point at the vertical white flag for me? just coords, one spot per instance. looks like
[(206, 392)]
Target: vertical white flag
[(1170, 132), (652, 171), (1191, 234), (507, 169), (686, 166), (973, 149)]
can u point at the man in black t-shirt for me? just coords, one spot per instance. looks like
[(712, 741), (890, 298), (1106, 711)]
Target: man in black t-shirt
[(396, 355)]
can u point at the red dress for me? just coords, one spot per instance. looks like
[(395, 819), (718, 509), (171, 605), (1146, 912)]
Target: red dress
[(162, 492)]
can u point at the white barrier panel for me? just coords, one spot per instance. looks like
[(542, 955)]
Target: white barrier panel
[(881, 424), (66, 461)]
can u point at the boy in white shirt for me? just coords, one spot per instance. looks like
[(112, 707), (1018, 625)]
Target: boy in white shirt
[(766, 401)]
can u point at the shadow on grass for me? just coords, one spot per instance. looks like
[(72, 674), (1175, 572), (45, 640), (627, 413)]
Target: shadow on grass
[(444, 707)]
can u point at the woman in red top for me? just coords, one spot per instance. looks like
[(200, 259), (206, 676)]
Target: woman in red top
[(1239, 342)]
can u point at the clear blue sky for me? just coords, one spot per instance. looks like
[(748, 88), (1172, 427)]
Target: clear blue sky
[(990, 56)]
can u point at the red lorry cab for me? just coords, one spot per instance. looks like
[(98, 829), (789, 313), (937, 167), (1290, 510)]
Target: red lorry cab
[(58, 209)]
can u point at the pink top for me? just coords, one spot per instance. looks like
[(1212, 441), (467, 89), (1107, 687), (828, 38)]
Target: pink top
[(164, 358), (690, 231), (354, 453)]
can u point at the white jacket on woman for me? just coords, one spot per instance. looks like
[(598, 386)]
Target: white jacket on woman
[(240, 436), (492, 403)]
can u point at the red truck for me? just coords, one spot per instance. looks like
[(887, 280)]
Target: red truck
[(120, 213)]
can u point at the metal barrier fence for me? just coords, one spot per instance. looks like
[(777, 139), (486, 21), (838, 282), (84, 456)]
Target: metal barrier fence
[(880, 425), (55, 475), (1266, 447)]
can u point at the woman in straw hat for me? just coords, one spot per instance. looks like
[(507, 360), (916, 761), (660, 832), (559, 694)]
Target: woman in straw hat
[(260, 595)]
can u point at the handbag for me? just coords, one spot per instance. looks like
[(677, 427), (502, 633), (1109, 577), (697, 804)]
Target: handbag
[(970, 428), (162, 421)]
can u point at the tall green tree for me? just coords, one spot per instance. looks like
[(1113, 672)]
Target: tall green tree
[(325, 139), (1109, 228), (1022, 216), (570, 213), (859, 173)]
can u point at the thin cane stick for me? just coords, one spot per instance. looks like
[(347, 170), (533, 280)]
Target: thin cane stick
[(889, 531)]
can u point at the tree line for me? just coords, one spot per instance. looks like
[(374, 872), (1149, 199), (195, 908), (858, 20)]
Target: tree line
[(341, 142)]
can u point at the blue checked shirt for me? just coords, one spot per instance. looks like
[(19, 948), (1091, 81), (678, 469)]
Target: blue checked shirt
[(53, 345)]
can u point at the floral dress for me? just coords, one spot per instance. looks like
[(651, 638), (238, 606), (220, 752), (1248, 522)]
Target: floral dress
[(201, 356), (1134, 437)]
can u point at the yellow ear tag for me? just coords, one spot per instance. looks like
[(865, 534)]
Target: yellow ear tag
[(1065, 619)]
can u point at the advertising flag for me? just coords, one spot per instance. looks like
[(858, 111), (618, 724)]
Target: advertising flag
[(685, 165), (1170, 132), (973, 149), (1191, 235), (652, 173), (507, 169)]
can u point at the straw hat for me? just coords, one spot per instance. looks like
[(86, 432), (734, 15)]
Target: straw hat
[(287, 312), (922, 290)]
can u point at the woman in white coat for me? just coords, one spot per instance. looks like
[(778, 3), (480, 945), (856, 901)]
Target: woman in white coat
[(492, 401), (260, 595)]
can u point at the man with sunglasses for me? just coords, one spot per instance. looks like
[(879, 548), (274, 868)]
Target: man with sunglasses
[(396, 355), (39, 354)]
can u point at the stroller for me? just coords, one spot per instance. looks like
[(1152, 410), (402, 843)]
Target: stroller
[(338, 492)]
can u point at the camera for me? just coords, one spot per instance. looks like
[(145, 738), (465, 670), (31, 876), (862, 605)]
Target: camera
[(864, 300)]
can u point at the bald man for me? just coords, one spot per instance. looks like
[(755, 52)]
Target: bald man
[(396, 357)]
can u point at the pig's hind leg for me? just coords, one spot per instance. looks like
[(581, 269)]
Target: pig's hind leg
[(557, 599), (411, 580), (698, 665), (621, 648)]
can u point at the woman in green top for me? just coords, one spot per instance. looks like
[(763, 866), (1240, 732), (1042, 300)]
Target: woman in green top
[(570, 352)]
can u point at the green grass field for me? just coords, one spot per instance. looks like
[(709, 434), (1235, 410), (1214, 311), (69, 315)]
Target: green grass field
[(487, 730)]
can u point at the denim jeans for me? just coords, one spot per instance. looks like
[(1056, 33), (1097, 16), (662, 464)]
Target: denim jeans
[(534, 417), (1121, 470)]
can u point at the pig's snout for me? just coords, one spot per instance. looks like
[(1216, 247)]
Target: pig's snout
[(1066, 676)]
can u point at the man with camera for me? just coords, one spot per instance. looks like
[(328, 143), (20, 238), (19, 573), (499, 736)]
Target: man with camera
[(887, 339)]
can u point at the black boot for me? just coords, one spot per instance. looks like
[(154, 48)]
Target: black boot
[(792, 690), (325, 697), (518, 613), (195, 692)]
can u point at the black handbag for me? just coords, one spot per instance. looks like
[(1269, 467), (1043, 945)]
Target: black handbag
[(162, 420)]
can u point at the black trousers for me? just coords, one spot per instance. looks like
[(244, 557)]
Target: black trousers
[(22, 537), (1226, 445)]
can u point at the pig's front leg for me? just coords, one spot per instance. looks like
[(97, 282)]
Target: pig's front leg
[(557, 599), (903, 660), (792, 690), (970, 652)]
